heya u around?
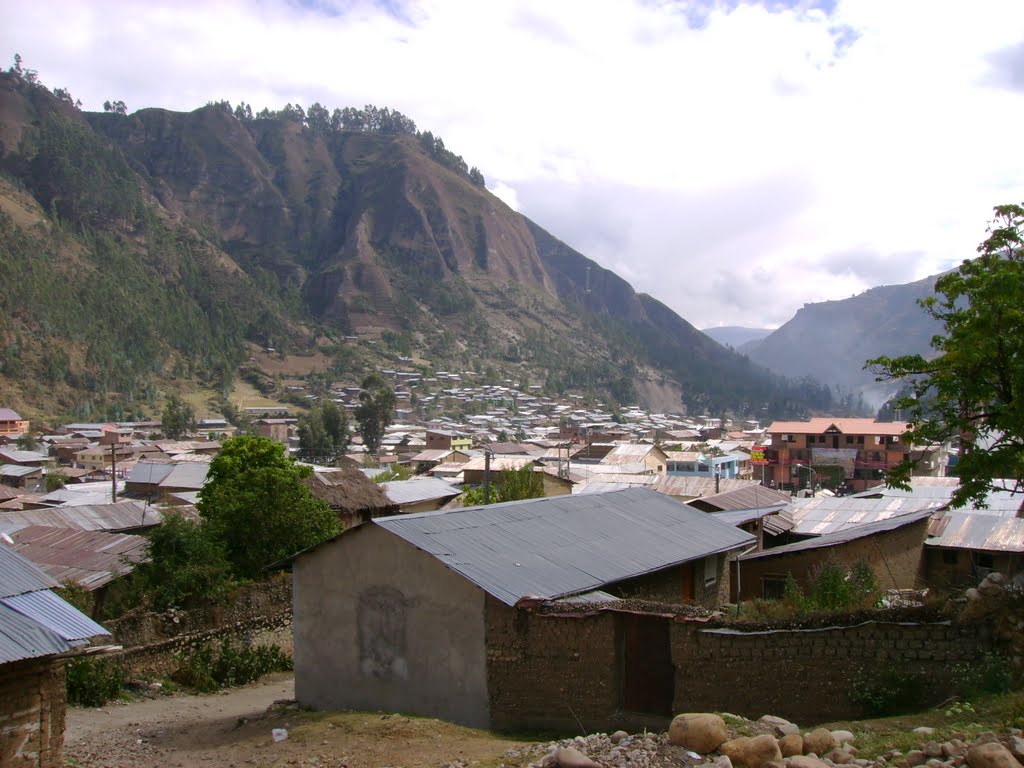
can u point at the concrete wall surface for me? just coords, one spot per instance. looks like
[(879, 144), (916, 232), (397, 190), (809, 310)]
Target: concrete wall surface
[(381, 625)]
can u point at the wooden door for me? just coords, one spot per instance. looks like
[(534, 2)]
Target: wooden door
[(648, 676), (687, 593)]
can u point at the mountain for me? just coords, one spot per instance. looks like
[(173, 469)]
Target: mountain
[(831, 340), (163, 251), (736, 336)]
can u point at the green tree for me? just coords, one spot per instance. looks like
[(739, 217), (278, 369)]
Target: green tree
[(375, 410), (323, 433), (255, 505), (178, 418), (185, 565), (508, 485), (971, 389)]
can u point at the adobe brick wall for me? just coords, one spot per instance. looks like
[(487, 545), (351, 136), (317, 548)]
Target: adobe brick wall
[(667, 586), (896, 557), (551, 671), (807, 675), (32, 710)]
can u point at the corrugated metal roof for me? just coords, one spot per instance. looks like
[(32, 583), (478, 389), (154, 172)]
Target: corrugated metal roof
[(125, 515), (190, 475), (843, 536), (747, 497), (970, 530), (743, 516), (91, 558), (420, 489), (1004, 502), (18, 575), (23, 638), (56, 615), (149, 472), (566, 544), (820, 515)]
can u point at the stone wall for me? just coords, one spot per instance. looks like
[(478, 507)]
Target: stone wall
[(566, 671), (32, 713), (259, 613)]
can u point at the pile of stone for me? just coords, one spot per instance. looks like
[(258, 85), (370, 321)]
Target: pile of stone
[(703, 739), (996, 598)]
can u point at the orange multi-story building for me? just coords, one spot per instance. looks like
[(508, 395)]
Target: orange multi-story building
[(862, 449), (11, 423)]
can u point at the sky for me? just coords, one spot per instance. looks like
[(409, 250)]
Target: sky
[(735, 160)]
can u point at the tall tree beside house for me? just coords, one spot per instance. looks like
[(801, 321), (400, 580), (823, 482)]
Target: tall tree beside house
[(375, 410), (323, 433), (972, 388), (507, 485), (177, 419), (255, 506)]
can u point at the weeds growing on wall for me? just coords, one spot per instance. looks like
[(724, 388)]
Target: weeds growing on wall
[(992, 673), (207, 670), (93, 682)]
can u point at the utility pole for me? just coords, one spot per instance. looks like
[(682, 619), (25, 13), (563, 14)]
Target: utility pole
[(113, 472), (487, 476)]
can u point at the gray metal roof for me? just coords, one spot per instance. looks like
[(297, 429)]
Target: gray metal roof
[(1001, 502), (18, 575), (149, 472), (125, 515), (970, 530), (844, 535), (741, 516), (821, 515), (34, 622), (421, 489), (186, 475), (566, 545)]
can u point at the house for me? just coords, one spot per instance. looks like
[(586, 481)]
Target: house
[(353, 496), (18, 476), (651, 456), (851, 452), (38, 633), (278, 430), (697, 464), (473, 470), (421, 494), (964, 547), (12, 424), (395, 614), (446, 439), (893, 547)]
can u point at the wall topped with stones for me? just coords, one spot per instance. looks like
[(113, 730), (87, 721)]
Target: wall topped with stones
[(753, 673), (259, 613), (569, 670)]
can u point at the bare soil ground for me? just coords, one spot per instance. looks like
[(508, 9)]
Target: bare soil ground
[(233, 728)]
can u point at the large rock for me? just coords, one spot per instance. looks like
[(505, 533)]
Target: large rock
[(752, 751), (991, 755), (700, 731), (791, 744), (802, 761), (780, 725), (570, 757), (819, 741), (841, 736)]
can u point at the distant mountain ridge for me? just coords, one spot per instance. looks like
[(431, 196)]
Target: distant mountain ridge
[(177, 239), (736, 336), (832, 340)]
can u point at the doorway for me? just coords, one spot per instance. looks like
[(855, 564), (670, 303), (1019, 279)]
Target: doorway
[(648, 676)]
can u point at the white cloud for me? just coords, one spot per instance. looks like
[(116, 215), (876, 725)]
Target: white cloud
[(732, 161)]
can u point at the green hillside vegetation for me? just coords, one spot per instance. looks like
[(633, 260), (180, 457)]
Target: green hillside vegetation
[(156, 252)]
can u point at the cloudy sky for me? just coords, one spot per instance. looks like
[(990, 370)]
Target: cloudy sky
[(733, 159)]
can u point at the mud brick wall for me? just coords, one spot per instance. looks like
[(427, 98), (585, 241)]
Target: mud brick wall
[(32, 711), (808, 675), (548, 672)]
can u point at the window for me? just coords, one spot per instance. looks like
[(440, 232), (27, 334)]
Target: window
[(849, 439), (710, 570), (949, 556), (860, 439), (773, 587)]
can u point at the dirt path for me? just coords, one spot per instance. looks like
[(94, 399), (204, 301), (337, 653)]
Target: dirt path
[(233, 728)]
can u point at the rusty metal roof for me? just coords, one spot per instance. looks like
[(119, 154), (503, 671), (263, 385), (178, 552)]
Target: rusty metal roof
[(747, 497), (566, 545), (970, 530), (91, 558), (844, 535)]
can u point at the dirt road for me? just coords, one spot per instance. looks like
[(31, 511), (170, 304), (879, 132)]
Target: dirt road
[(233, 728)]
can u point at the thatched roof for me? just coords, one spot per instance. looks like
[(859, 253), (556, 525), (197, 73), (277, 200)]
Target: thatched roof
[(349, 492)]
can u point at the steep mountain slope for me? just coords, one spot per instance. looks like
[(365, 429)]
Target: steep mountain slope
[(737, 336), (209, 231), (831, 340)]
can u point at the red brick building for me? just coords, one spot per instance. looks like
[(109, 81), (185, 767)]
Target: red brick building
[(858, 451)]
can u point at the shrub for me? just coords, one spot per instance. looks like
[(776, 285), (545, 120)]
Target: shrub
[(992, 673), (93, 682), (207, 671), (888, 692)]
